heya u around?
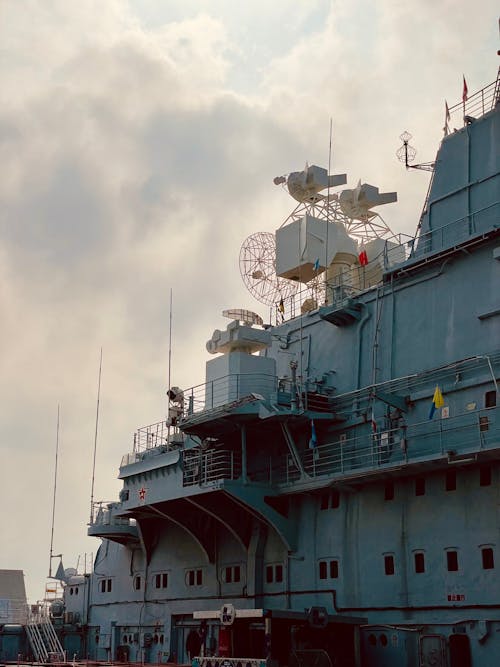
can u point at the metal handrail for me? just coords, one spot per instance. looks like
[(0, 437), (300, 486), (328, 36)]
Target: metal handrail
[(205, 467), (347, 457), (478, 103)]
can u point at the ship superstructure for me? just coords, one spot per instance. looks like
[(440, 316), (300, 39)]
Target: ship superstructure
[(332, 489)]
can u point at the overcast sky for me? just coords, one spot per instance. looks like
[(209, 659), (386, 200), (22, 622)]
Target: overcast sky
[(139, 140)]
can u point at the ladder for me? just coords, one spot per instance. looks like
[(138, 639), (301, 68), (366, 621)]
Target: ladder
[(42, 637)]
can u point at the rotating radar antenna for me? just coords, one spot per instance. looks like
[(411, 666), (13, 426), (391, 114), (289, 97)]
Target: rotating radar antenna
[(258, 270)]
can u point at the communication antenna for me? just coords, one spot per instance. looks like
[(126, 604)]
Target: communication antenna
[(54, 497), (407, 154), (95, 439)]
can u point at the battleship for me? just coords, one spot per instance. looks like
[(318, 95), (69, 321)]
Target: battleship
[(329, 494)]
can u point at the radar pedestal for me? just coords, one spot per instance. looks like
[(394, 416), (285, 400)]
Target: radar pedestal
[(238, 372)]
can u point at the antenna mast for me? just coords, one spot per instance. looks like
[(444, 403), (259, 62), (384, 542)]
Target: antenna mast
[(54, 496), (95, 439), (170, 341)]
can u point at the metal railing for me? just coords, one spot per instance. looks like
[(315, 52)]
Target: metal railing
[(103, 515), (347, 284), (205, 467), (458, 231), (454, 437), (469, 432), (478, 103), (351, 282), (227, 389)]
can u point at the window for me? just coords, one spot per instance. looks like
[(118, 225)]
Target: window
[(451, 480), (161, 580), (389, 491), (485, 475), (452, 561), (137, 582), (325, 498), (420, 486), (490, 399), (194, 577), (488, 559), (274, 573), (330, 500), (328, 569), (389, 564), (232, 574), (105, 585), (419, 562)]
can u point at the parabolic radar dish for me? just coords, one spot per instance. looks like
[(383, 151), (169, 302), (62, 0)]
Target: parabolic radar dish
[(258, 270)]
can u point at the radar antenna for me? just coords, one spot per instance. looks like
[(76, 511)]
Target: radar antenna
[(258, 270), (360, 223)]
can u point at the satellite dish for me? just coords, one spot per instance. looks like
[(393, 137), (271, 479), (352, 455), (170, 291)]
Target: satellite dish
[(258, 270), (245, 316)]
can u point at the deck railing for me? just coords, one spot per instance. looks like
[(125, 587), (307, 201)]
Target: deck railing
[(457, 437), (227, 389), (205, 467), (478, 103), (102, 515), (458, 231)]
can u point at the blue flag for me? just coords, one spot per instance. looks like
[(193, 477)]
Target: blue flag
[(316, 265), (313, 441)]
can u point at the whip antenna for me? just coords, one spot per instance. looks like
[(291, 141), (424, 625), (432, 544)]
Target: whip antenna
[(95, 439), (54, 496)]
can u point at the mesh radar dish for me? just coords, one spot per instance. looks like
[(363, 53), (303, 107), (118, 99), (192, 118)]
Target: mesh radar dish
[(258, 270)]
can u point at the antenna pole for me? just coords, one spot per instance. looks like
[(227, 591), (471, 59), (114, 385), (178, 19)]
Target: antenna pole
[(328, 209), (95, 439), (169, 365), (170, 341), (54, 496)]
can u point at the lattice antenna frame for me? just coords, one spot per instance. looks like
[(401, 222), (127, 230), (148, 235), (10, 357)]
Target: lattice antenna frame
[(327, 207)]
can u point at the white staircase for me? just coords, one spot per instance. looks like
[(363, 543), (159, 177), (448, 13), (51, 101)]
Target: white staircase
[(42, 637)]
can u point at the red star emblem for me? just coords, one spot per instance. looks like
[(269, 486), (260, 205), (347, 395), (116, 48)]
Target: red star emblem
[(142, 493)]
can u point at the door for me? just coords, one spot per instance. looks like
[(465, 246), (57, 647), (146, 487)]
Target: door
[(433, 651)]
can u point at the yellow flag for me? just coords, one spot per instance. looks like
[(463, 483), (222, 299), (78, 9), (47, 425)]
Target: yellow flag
[(438, 398)]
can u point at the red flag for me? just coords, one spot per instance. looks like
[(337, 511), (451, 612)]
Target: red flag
[(363, 257), (465, 91)]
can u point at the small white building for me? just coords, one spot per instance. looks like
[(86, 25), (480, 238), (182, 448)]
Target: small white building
[(13, 603)]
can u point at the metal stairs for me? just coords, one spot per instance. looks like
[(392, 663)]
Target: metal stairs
[(42, 637)]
